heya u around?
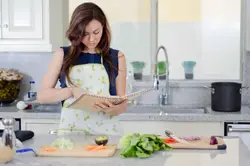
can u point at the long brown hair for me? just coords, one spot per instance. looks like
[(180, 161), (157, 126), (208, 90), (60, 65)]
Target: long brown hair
[(80, 18)]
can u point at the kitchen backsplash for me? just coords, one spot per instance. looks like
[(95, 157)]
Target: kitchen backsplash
[(34, 65)]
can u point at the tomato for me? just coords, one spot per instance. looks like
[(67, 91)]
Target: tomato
[(169, 140)]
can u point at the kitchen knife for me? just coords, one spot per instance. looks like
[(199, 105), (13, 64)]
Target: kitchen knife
[(171, 135)]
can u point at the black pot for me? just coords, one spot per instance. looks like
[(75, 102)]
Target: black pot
[(226, 96), (138, 76)]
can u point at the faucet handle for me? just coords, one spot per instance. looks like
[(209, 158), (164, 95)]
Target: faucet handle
[(156, 82), (163, 99)]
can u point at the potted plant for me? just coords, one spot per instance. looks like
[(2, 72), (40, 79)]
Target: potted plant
[(162, 70), (138, 67)]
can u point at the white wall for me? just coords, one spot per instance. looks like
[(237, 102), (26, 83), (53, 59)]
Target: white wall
[(32, 65), (206, 31), (209, 35)]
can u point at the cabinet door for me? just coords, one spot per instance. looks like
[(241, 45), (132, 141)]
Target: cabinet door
[(247, 25), (0, 20), (40, 126), (22, 19), (144, 127)]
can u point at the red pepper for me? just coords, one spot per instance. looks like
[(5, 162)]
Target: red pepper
[(169, 140)]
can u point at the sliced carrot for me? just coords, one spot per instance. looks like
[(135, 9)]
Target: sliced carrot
[(49, 149), (95, 147)]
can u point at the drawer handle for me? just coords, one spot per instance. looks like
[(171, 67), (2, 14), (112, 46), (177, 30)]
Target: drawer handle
[(231, 129)]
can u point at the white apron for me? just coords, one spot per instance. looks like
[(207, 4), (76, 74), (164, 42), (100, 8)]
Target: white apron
[(92, 78)]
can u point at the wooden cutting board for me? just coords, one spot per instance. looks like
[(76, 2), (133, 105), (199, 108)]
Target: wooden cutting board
[(202, 144), (79, 150)]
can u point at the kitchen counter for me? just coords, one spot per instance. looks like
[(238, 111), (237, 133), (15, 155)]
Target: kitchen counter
[(236, 155), (209, 116)]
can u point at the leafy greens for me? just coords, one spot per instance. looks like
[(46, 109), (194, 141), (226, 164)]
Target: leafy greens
[(141, 145)]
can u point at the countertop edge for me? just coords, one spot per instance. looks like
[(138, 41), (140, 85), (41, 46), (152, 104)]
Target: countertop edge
[(210, 116)]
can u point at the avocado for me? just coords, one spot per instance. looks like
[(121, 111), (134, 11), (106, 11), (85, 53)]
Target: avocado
[(101, 140)]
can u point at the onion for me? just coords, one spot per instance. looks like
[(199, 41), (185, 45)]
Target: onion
[(213, 140)]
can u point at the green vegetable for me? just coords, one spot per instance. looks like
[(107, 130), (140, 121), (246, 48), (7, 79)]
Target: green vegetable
[(141, 145), (63, 143), (161, 67)]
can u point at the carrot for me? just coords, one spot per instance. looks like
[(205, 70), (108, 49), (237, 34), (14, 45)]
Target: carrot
[(95, 147), (49, 149)]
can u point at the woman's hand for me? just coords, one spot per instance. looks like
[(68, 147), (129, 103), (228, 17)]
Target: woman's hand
[(116, 109), (109, 108), (76, 92), (103, 104)]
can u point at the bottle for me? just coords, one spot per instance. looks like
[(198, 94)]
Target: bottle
[(129, 79), (8, 136), (32, 93)]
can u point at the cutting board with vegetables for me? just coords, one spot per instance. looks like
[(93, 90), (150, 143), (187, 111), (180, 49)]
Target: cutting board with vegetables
[(203, 143), (79, 150), (66, 148)]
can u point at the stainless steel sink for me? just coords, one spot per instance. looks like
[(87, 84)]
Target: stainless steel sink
[(144, 109), (184, 110)]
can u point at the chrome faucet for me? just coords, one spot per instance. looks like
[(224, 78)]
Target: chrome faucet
[(164, 96)]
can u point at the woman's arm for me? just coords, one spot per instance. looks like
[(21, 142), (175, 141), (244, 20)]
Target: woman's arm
[(122, 75), (48, 93)]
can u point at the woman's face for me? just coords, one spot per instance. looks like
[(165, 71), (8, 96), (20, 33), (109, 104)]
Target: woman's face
[(93, 34)]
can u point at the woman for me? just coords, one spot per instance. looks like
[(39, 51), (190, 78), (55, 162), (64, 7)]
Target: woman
[(89, 65)]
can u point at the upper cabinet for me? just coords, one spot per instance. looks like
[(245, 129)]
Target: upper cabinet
[(247, 21), (22, 19), (32, 25)]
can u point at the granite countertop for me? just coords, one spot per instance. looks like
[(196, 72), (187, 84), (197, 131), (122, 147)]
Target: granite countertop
[(236, 154), (142, 113)]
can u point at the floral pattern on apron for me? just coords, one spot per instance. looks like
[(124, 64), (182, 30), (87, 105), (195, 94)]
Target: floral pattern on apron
[(93, 79)]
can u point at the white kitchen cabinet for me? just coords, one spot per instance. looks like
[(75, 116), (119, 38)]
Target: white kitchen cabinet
[(247, 24), (0, 19), (22, 19), (177, 127), (43, 126), (32, 25), (40, 126)]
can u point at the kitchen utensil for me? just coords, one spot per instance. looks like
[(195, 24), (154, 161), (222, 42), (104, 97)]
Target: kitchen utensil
[(8, 136), (26, 150), (171, 135), (79, 150), (202, 144), (226, 96)]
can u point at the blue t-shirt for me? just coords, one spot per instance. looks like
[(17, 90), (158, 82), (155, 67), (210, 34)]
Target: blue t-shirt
[(86, 58)]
